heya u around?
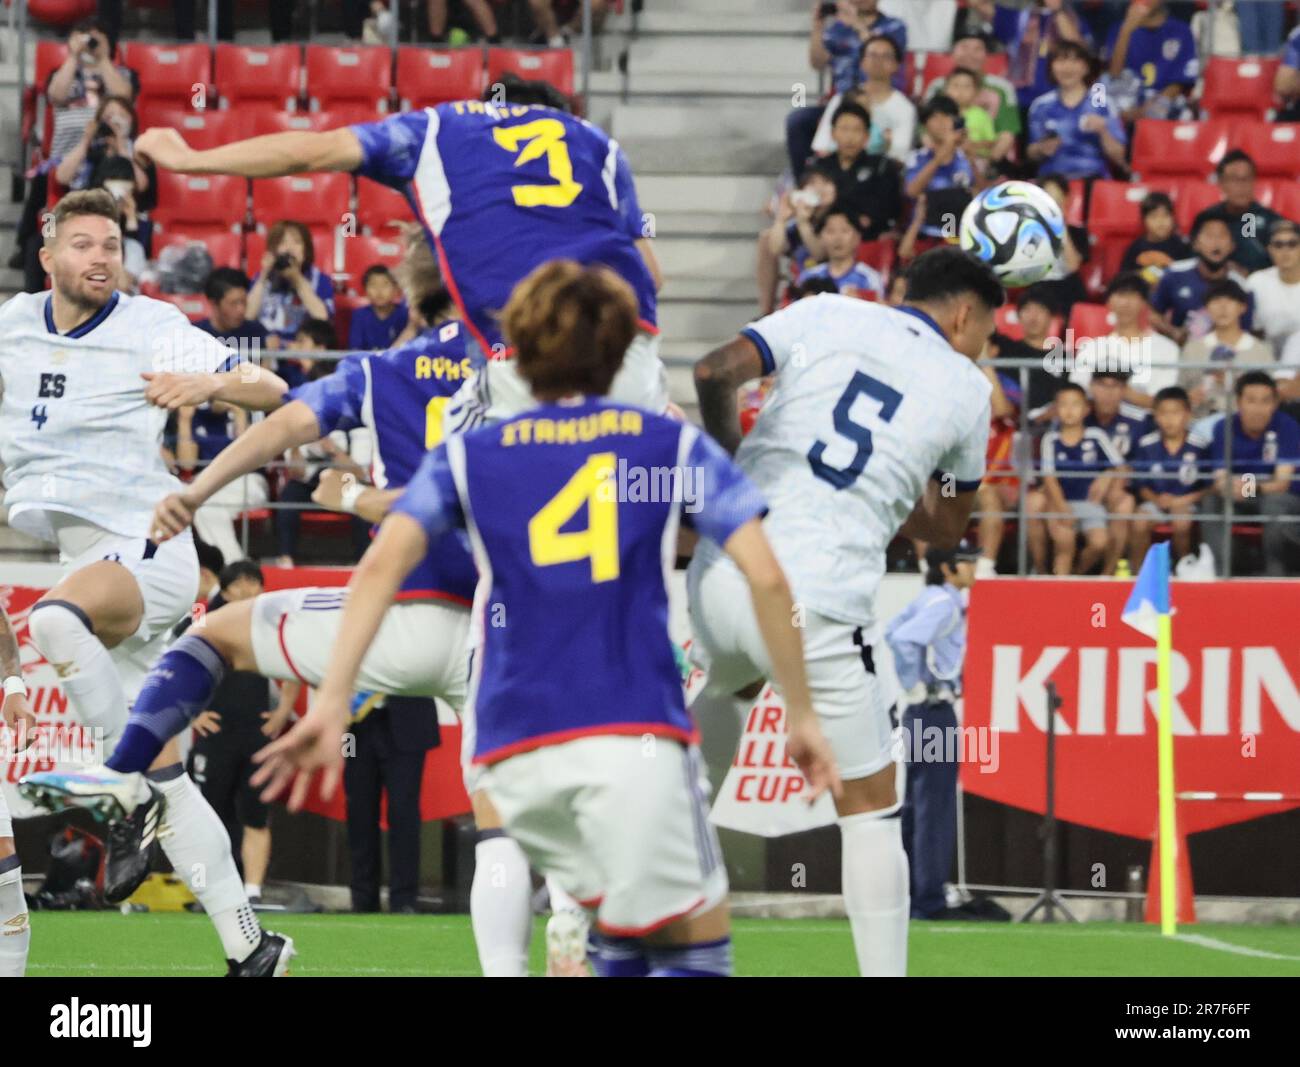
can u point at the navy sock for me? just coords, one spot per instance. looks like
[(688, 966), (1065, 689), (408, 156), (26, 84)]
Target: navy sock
[(178, 688), (617, 957), (705, 959)]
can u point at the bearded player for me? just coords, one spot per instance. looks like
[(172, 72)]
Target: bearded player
[(877, 425), (89, 374), (500, 186)]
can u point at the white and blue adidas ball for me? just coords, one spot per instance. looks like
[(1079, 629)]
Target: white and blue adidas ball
[(1017, 229)]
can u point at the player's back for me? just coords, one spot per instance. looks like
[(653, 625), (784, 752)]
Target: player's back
[(79, 437), (869, 401), (506, 188), (572, 514)]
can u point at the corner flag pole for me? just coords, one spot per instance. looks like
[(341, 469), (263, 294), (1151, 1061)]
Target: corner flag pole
[(1165, 760), (1149, 612)]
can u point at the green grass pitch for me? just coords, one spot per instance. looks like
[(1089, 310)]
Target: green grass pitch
[(111, 944)]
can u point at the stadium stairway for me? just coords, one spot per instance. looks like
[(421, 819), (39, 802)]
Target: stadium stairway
[(697, 96)]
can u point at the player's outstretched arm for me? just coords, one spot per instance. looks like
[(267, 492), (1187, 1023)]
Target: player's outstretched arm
[(268, 156), (774, 611), (340, 491), (316, 741), (717, 377), (294, 424), (249, 386)]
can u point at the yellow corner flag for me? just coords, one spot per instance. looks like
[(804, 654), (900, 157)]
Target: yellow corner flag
[(1148, 610)]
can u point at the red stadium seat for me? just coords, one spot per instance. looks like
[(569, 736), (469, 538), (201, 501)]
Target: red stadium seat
[(272, 120), (1108, 253), (1238, 86), (879, 255), (349, 75), (169, 71), (1006, 321), (935, 65), (201, 129), (1090, 320), (1074, 198), (323, 241), (194, 305), (1282, 196), (345, 304), (313, 199), (215, 201), (380, 208), (49, 58), (554, 65), (1114, 208), (272, 75), (362, 252), (226, 249), (1192, 198), (1186, 149), (427, 76), (1274, 147)]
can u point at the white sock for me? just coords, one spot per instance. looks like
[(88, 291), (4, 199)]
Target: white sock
[(15, 930), (874, 877), (198, 846), (251, 889), (85, 668), (500, 907), (560, 900)]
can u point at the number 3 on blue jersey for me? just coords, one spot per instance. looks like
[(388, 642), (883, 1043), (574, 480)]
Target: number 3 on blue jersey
[(859, 385), (544, 137)]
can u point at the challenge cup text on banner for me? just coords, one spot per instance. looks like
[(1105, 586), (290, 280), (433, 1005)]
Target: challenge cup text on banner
[(1236, 699)]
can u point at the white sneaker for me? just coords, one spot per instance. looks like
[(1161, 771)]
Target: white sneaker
[(110, 794), (566, 945)]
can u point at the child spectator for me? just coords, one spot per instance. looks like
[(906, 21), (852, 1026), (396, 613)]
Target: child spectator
[(1168, 468), (1277, 289), (869, 186), (940, 169), (1160, 245), (376, 326), (1226, 304), (1179, 298), (289, 288), (1076, 461), (1150, 358), (1123, 424), (1072, 132), (794, 234), (983, 140), (840, 237), (1158, 54), (1265, 455), (997, 96), (893, 115)]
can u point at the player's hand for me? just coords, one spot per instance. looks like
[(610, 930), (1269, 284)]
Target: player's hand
[(207, 724), (314, 743), (807, 746), (171, 515), (165, 148), (172, 391), (18, 717), (274, 722), (329, 490)]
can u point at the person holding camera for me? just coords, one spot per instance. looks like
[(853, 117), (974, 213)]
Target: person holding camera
[(289, 288), (117, 175), (109, 133)]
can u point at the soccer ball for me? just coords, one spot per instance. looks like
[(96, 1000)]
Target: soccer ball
[(1017, 229)]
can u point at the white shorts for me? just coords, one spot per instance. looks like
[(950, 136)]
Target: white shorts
[(1089, 514), (622, 824), (498, 392), (846, 693), (6, 822), (167, 575), (419, 650)]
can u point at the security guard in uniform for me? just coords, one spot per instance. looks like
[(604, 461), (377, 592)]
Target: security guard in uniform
[(928, 641)]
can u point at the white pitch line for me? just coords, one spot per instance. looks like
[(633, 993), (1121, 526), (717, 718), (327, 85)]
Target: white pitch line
[(1238, 950)]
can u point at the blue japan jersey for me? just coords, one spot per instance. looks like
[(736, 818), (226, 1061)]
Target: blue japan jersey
[(503, 189), (1079, 154), (1291, 50), (1078, 465), (400, 395), (1178, 473), (1279, 444), (1160, 57), (572, 510), (1125, 429)]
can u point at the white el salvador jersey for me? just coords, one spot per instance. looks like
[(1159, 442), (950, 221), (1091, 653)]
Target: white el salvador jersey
[(76, 434), (869, 402)]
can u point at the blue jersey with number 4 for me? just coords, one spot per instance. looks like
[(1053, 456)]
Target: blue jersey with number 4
[(573, 510), (502, 189), (400, 395)]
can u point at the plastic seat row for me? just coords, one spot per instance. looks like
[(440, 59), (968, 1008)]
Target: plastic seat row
[(1193, 149)]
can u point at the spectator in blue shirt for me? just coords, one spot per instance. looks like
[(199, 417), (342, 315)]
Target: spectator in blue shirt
[(376, 326), (835, 44), (1286, 82), (1031, 34), (1265, 446), (289, 288), (1179, 297), (940, 170), (226, 291), (1169, 475), (1260, 23), (840, 237), (1072, 132), (1076, 462), (1157, 55), (928, 643)]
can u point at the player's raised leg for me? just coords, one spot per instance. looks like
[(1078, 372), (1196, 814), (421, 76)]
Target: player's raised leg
[(15, 929)]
